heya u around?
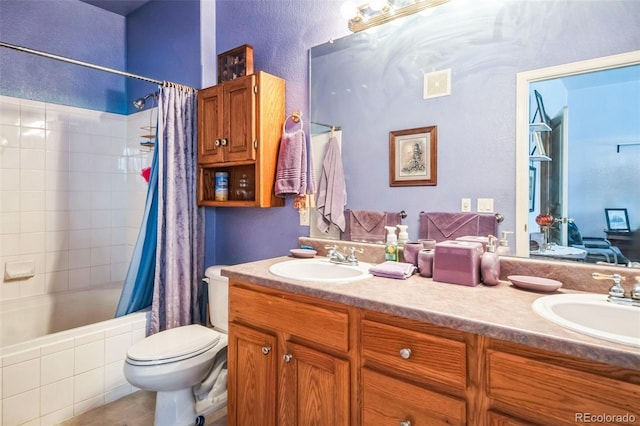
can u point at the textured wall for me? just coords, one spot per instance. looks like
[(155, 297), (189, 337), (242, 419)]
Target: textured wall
[(67, 28)]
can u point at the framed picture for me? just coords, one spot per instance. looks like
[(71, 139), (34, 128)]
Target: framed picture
[(235, 63), (413, 157), (532, 188), (617, 220)]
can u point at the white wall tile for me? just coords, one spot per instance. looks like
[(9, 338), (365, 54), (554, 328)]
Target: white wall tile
[(20, 409), (55, 240), (57, 366), (32, 180), (10, 223), (57, 261), (9, 179), (88, 404), (57, 200), (100, 256), (57, 221), (114, 376), (56, 281), (88, 385), (115, 348), (100, 275), (32, 138), (32, 159), (32, 286), (117, 393), (79, 278), (79, 239), (10, 245), (9, 201), (9, 113), (32, 221), (32, 115), (32, 242), (10, 158), (56, 396), (57, 417), (32, 201), (57, 160), (100, 237), (20, 377)]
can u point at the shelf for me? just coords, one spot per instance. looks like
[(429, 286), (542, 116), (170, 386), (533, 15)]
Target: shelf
[(539, 158), (539, 127)]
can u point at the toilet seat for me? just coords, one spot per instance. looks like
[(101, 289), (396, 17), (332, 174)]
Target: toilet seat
[(173, 345)]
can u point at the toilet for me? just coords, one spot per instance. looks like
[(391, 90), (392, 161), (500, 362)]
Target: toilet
[(185, 365)]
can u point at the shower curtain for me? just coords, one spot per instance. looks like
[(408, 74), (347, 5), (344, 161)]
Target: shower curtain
[(168, 258), (179, 252)]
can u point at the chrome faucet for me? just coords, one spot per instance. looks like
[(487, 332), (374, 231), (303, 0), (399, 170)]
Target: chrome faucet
[(337, 256), (617, 293)]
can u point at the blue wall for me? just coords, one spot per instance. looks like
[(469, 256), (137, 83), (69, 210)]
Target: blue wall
[(67, 28)]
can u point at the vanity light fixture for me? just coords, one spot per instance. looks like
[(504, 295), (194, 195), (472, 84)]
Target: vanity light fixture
[(378, 12)]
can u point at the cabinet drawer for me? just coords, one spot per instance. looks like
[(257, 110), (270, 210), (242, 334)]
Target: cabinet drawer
[(314, 323), (430, 358), (387, 401), (520, 386)]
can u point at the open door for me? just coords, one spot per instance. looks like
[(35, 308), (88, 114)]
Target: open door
[(554, 178)]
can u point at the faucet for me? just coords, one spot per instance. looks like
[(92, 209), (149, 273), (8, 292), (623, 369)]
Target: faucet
[(336, 256), (617, 293)]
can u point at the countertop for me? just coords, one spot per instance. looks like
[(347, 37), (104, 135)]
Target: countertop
[(502, 311)]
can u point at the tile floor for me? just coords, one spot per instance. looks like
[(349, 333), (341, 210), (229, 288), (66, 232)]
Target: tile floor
[(136, 409)]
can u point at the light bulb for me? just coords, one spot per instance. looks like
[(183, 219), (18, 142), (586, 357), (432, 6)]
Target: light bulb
[(377, 4), (348, 10)]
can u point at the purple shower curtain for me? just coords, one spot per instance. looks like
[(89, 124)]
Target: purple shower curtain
[(179, 254)]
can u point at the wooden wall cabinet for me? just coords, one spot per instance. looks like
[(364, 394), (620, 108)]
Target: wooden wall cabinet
[(239, 130), (332, 364)]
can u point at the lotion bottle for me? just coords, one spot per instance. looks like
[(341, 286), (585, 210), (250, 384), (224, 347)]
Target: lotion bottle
[(490, 263), (503, 248), (391, 246)]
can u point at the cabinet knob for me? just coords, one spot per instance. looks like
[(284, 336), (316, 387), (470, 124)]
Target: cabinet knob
[(266, 350), (224, 142), (405, 353), (217, 142), (405, 423), (287, 357)]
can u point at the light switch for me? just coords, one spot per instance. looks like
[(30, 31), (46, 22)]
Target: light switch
[(465, 205), (485, 205)]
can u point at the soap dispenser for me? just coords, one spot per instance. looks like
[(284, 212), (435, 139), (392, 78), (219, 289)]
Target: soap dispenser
[(503, 248), (490, 263), (403, 235), (391, 246)]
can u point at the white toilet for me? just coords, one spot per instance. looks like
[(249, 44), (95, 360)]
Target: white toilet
[(177, 363)]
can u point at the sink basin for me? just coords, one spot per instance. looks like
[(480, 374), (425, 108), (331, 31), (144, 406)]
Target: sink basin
[(593, 315), (320, 270)]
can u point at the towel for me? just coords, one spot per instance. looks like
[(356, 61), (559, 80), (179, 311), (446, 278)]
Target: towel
[(368, 225), (291, 172), (449, 226), (332, 191), (391, 269)]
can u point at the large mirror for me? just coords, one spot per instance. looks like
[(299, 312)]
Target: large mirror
[(371, 83)]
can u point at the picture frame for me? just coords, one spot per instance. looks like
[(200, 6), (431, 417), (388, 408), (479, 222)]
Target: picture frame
[(413, 157), (617, 220), (235, 63), (532, 189)]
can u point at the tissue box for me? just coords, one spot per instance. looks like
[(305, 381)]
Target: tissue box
[(457, 262), (476, 239)]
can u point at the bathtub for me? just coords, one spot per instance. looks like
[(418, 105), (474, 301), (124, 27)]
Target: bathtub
[(62, 354)]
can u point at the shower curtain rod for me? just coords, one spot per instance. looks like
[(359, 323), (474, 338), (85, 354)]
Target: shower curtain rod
[(88, 65)]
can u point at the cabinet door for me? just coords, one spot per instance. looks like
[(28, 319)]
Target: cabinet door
[(314, 388), (252, 377), (210, 125), (239, 119)]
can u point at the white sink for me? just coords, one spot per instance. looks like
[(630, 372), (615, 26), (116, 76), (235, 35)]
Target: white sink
[(593, 315), (320, 270)]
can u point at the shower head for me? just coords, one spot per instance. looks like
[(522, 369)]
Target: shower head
[(139, 103)]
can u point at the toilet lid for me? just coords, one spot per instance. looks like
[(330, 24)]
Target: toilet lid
[(179, 342)]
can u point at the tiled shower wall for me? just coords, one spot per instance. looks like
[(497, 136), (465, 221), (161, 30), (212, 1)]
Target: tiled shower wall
[(71, 194)]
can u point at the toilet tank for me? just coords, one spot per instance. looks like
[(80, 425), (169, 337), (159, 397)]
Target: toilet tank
[(218, 298)]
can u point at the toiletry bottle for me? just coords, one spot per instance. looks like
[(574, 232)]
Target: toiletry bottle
[(403, 235), (391, 247), (503, 248), (490, 263)]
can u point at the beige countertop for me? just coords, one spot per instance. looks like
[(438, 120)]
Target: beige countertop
[(502, 311)]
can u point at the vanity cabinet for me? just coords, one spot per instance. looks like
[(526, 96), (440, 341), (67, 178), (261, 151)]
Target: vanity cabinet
[(239, 130), (291, 352), (298, 360)]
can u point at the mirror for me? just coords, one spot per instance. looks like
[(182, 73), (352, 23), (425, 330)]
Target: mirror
[(371, 83)]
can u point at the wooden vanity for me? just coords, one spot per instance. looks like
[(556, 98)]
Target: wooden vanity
[(412, 352)]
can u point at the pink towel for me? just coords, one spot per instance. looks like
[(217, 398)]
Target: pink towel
[(332, 191), (449, 226), (391, 269), (291, 172)]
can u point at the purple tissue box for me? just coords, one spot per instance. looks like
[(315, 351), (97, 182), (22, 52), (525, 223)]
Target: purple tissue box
[(457, 262)]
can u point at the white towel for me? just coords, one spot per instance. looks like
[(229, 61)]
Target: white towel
[(332, 191)]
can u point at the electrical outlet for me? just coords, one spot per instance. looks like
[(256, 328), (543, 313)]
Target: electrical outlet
[(485, 205), (304, 217), (465, 205)]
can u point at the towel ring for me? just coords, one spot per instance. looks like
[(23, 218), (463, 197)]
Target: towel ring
[(295, 116)]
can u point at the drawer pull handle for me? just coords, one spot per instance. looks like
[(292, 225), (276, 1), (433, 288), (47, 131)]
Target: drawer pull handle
[(266, 350), (287, 357), (405, 353), (405, 423)]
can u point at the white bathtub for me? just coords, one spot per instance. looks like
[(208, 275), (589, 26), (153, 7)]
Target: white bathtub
[(48, 375)]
